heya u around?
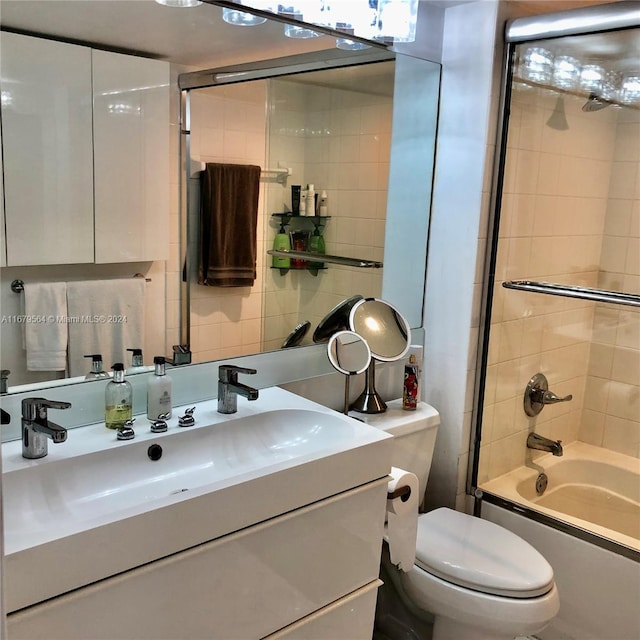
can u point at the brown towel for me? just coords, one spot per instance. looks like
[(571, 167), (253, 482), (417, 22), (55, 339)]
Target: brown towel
[(228, 221)]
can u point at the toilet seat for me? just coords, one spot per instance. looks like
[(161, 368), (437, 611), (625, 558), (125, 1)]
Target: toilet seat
[(480, 555)]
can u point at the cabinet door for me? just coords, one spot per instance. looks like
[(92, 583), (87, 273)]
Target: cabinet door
[(131, 155), (48, 164)]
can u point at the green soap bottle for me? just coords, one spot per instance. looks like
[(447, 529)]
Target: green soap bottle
[(316, 245), (281, 242)]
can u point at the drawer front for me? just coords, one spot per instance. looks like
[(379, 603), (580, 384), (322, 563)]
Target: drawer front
[(350, 618), (245, 585)]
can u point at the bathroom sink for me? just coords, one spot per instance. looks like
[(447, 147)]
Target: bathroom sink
[(114, 505)]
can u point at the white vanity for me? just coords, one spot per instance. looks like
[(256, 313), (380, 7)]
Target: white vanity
[(264, 523)]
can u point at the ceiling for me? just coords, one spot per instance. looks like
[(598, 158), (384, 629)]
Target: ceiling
[(197, 38)]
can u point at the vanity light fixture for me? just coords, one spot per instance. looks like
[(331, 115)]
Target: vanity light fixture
[(244, 19), (603, 86), (180, 4), (384, 20)]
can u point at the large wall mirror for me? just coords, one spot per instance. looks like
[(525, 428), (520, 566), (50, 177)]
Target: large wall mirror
[(364, 134)]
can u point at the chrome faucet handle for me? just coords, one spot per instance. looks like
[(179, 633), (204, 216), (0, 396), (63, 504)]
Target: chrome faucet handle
[(537, 395), (34, 408), (548, 397), (229, 372)]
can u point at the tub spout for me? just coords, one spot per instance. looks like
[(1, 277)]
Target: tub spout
[(535, 441)]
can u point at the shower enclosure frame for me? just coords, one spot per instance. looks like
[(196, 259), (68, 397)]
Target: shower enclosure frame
[(584, 21)]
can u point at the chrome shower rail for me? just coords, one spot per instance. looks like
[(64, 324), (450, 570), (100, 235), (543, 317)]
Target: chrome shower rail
[(323, 257), (570, 291)]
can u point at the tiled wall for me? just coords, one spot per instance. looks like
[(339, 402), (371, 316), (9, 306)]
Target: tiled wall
[(560, 193), (228, 125), (611, 416), (338, 140)]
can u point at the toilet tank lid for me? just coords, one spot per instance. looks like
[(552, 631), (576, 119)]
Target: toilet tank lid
[(480, 555), (398, 422)]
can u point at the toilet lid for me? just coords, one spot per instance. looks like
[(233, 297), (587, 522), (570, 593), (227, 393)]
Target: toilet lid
[(480, 555)]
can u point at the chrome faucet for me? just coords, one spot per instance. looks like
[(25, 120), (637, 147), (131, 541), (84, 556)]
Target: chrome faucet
[(229, 388), (537, 395), (36, 428), (535, 441)]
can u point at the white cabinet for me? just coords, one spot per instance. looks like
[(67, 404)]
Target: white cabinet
[(310, 573), (85, 137), (131, 156), (48, 163)]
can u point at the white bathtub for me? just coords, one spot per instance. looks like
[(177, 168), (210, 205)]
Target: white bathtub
[(599, 588), (589, 487)]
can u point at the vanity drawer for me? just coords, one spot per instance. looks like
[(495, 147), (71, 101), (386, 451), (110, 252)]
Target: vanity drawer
[(350, 618), (248, 584)]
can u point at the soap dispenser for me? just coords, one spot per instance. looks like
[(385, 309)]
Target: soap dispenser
[(118, 399), (136, 361), (316, 245), (281, 242), (159, 392), (97, 371)]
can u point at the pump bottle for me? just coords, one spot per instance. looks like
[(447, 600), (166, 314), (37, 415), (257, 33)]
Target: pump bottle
[(159, 392), (137, 364), (118, 399), (97, 372)]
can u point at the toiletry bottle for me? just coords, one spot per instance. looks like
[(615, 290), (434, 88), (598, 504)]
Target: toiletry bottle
[(322, 209), (118, 399), (97, 372), (281, 242), (159, 392), (136, 361), (295, 199), (311, 200), (316, 245), (303, 202), (410, 385)]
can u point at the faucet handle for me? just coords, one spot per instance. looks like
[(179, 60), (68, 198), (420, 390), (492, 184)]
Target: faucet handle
[(31, 407), (229, 372)]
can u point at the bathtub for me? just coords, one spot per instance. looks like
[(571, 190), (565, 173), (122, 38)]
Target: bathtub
[(588, 487), (587, 530)]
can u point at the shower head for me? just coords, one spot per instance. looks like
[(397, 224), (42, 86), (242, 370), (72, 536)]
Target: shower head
[(595, 103)]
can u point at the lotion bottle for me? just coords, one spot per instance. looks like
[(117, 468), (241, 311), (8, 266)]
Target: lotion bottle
[(311, 200), (118, 399), (322, 210), (97, 372), (159, 391)]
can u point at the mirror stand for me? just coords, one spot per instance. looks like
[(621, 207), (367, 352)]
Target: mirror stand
[(369, 400)]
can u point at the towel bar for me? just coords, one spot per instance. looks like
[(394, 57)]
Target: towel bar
[(17, 285), (570, 291)]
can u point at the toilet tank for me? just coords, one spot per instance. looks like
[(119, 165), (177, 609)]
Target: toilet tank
[(414, 435)]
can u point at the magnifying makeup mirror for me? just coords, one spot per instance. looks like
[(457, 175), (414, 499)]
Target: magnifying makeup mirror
[(388, 335), (336, 320), (349, 354)]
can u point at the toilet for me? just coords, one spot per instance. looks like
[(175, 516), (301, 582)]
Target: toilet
[(479, 580)]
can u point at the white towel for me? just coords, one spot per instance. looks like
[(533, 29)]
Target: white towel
[(45, 330), (106, 317)]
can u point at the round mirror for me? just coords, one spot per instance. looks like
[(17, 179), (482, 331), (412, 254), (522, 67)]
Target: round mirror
[(336, 320), (382, 326), (348, 353)]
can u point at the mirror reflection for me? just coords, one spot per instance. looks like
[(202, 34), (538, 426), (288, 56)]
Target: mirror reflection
[(338, 133)]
